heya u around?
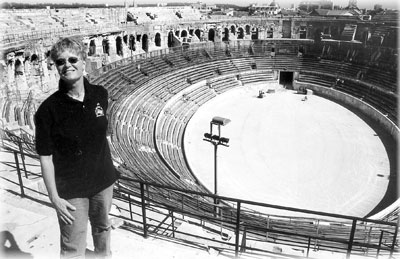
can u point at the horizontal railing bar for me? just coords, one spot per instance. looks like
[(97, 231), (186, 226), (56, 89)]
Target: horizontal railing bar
[(262, 204)]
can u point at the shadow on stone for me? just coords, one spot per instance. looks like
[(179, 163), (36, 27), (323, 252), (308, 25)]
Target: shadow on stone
[(10, 248)]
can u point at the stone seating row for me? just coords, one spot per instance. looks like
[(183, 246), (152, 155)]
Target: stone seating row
[(385, 102)]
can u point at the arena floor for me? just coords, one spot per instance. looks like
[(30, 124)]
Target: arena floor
[(313, 154)]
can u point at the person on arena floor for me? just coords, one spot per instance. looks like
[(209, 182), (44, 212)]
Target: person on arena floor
[(75, 157)]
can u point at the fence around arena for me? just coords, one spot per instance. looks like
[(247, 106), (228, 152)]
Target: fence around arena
[(233, 225)]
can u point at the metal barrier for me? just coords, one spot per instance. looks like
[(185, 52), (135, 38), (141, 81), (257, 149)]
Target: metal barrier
[(247, 221)]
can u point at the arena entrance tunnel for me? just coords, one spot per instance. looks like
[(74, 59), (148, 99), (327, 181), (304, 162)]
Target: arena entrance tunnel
[(286, 79)]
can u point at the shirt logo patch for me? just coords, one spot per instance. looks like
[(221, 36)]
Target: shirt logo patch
[(99, 110)]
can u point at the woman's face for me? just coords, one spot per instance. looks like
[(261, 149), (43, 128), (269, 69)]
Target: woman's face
[(70, 66)]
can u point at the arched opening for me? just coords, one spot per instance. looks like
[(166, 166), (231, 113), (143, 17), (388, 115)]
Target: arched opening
[(106, 46), (226, 35), (191, 32), (157, 39), (34, 58), (303, 32), (270, 33), (254, 34), (132, 43), (177, 33), (170, 39), (125, 38), (247, 28), (119, 46), (145, 44), (92, 48), (184, 34), (17, 115), (18, 68), (198, 33), (233, 29), (211, 35), (240, 33)]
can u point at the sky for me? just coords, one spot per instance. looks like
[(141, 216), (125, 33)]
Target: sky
[(369, 4)]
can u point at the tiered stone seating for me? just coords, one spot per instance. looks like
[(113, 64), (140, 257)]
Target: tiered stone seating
[(258, 77), (287, 48), (195, 56), (202, 72), (384, 79), (321, 80), (384, 101), (348, 32), (164, 14), (243, 64), (218, 53), (223, 84), (389, 16), (171, 125), (176, 60), (190, 14), (226, 67), (10, 24)]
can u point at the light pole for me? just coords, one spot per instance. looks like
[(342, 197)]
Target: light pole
[(216, 140)]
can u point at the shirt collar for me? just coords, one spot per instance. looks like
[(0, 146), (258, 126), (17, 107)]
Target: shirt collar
[(62, 87)]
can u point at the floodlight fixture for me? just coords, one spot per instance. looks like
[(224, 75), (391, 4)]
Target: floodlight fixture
[(216, 140), (224, 140), (220, 121)]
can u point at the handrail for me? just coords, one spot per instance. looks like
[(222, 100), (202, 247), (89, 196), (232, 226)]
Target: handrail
[(242, 220), (239, 220), (261, 204)]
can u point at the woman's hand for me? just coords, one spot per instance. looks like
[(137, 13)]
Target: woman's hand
[(63, 209)]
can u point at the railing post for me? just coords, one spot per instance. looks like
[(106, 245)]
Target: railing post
[(243, 244), (130, 206), (237, 229), (21, 184), (173, 224), (143, 209), (394, 237), (22, 157), (380, 243), (351, 238), (308, 246)]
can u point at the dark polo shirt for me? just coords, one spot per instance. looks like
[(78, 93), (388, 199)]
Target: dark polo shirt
[(74, 133)]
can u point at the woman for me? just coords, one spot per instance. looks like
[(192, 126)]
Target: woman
[(75, 157)]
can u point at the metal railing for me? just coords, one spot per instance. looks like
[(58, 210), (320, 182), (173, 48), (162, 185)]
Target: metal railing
[(244, 227), (235, 225)]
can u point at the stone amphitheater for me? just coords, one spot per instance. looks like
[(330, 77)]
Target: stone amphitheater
[(169, 70)]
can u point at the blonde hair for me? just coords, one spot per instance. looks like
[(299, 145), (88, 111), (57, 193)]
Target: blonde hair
[(71, 44)]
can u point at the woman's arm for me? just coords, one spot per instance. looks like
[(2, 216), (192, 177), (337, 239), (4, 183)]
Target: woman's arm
[(62, 206)]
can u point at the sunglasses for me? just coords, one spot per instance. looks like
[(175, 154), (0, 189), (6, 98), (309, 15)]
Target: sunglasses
[(62, 61)]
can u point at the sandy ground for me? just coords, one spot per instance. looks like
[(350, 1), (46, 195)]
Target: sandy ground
[(312, 154)]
